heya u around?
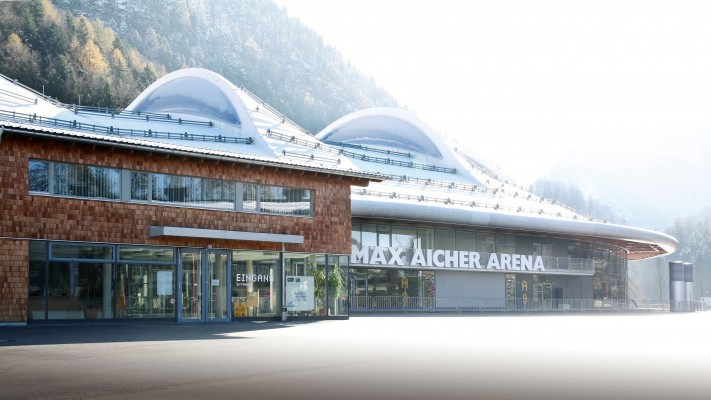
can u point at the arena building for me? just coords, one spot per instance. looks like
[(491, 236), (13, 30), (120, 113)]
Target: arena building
[(199, 202)]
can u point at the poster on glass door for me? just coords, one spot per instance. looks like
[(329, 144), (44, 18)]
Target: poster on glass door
[(300, 293)]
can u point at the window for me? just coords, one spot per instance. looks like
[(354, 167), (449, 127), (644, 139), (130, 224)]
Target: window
[(444, 239), (90, 181), (87, 181), (465, 241), (404, 236), (75, 180), (198, 192), (249, 197), (282, 200), (139, 186), (39, 176), (81, 251)]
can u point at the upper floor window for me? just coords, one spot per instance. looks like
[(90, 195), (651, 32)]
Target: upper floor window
[(79, 180)]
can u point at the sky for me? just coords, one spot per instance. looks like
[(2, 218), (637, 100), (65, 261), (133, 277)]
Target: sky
[(524, 83)]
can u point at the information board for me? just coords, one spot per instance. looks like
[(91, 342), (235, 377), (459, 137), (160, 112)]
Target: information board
[(300, 293), (164, 280)]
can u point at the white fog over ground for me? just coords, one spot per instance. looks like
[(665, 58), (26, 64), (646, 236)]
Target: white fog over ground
[(468, 356)]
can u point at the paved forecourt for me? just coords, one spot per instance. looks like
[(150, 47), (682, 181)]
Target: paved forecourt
[(584, 356)]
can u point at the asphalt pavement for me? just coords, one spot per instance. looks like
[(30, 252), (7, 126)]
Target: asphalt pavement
[(576, 356)]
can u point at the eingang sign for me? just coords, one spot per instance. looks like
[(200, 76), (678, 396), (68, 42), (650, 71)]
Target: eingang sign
[(454, 259)]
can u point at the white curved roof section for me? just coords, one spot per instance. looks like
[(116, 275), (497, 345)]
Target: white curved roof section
[(195, 92), (395, 210), (388, 128)]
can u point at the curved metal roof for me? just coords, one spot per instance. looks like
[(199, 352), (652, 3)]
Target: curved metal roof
[(641, 243), (386, 128), (194, 92)]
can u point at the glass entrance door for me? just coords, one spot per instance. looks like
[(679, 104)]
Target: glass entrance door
[(191, 285), (203, 286), (359, 293), (543, 296), (217, 304)]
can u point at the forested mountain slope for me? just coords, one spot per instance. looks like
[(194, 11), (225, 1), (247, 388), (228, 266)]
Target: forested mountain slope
[(252, 43)]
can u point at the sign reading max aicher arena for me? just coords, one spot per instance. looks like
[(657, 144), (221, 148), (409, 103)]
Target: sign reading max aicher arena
[(371, 255)]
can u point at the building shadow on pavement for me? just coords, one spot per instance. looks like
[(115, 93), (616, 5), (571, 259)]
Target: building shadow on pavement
[(108, 332)]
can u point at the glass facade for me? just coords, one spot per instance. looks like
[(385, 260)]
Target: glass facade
[(393, 289), (312, 289), (256, 284), (606, 263), (109, 281)]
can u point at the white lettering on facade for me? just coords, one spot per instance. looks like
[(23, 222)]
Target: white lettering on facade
[(395, 257), (474, 257), (418, 258), (493, 262), (464, 260), (378, 256), (526, 263), (516, 262), (246, 279), (436, 258), (450, 259), (359, 255), (429, 258), (506, 261)]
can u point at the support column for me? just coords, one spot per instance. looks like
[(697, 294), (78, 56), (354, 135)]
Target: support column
[(677, 288), (689, 285), (106, 290)]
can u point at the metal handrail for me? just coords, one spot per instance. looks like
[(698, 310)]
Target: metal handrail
[(373, 149), (273, 110), (359, 156), (35, 119), (135, 115), (472, 203)]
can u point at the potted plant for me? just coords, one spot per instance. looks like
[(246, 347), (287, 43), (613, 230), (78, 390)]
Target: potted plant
[(335, 285), (319, 275)]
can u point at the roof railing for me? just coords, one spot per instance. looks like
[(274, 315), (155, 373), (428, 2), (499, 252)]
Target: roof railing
[(115, 113), (464, 188), (478, 204), (136, 115), (359, 156), (35, 119), (38, 94), (461, 187), (309, 157), (18, 96), (371, 149), (277, 113)]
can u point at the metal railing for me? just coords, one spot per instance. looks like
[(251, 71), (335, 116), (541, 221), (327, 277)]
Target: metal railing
[(376, 304), (274, 111), (358, 156), (35, 119), (371, 149), (135, 115), (467, 203)]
